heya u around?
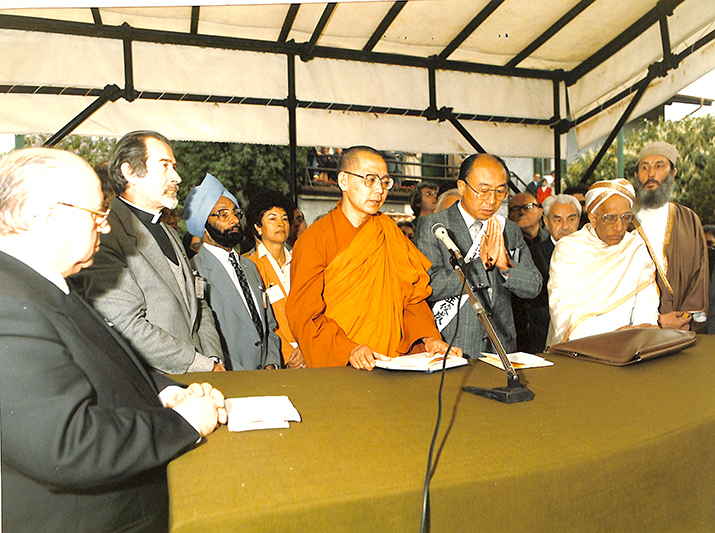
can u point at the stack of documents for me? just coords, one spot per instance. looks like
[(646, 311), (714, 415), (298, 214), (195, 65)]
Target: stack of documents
[(517, 359), (421, 362), (260, 412)]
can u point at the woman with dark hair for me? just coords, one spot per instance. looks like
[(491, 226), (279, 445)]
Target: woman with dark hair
[(268, 218)]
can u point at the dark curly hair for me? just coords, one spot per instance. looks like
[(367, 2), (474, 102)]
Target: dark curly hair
[(263, 202)]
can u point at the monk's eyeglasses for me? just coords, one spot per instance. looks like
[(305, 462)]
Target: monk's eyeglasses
[(225, 214), (370, 180), (99, 217), (483, 194), (610, 219)]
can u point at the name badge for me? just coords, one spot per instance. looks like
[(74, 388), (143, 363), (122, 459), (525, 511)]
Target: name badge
[(275, 294), (199, 284)]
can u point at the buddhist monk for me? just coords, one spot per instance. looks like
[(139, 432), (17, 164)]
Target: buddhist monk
[(358, 287)]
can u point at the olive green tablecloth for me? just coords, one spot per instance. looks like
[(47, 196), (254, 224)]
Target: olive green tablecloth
[(599, 449)]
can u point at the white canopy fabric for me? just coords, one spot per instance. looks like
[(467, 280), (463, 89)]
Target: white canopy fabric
[(362, 69)]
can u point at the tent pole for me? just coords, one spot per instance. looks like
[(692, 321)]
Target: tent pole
[(292, 130), (557, 136)]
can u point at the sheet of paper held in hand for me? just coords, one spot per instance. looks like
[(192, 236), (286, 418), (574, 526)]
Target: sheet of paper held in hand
[(260, 412), (518, 360), (421, 362)]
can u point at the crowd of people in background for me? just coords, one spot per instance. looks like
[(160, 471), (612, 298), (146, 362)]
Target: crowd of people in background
[(104, 283)]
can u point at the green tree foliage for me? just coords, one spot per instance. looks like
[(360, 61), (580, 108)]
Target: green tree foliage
[(94, 150), (244, 169), (695, 140)]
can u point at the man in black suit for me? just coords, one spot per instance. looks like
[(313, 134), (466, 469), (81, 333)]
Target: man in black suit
[(561, 217), (87, 431)]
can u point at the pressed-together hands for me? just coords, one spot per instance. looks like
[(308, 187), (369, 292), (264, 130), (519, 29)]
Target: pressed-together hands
[(200, 404), (492, 249)]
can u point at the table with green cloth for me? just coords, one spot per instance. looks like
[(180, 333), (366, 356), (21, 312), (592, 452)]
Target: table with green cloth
[(599, 448)]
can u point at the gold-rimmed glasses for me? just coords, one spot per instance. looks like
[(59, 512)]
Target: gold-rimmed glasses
[(99, 217)]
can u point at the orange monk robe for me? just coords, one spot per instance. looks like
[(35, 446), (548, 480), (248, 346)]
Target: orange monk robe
[(270, 279), (357, 286)]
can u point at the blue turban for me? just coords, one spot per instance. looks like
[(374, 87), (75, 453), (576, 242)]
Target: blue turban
[(201, 201)]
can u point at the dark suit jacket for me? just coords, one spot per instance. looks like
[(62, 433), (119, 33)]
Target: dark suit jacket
[(131, 284), (242, 349), (538, 311), (85, 439), (523, 280)]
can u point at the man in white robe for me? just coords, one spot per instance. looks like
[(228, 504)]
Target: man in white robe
[(602, 277)]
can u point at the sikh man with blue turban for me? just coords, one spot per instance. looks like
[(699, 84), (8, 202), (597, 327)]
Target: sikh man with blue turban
[(230, 283)]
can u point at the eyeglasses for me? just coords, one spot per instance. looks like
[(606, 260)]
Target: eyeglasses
[(523, 208), (429, 194), (386, 182), (610, 219), (224, 214), (99, 217), (483, 194)]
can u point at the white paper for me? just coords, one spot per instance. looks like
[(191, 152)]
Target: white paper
[(518, 360), (260, 412), (420, 362)]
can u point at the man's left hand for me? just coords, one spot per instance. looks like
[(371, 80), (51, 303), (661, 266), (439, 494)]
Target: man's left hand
[(438, 346), (675, 320)]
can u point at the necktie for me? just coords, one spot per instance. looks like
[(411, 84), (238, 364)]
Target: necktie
[(243, 282), (474, 229)]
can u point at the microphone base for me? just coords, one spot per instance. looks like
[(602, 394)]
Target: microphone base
[(515, 394)]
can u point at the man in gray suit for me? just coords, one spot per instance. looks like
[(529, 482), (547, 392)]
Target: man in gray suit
[(231, 283), (141, 280), (498, 261)]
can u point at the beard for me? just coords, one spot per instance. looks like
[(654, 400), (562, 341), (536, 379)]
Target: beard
[(654, 198), (228, 238), (169, 198)]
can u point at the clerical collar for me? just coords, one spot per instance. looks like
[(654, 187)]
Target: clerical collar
[(151, 223), (141, 213)]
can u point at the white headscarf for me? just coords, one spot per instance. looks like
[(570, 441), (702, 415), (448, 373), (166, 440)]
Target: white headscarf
[(603, 190)]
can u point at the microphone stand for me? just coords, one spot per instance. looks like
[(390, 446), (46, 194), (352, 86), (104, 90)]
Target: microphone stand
[(514, 392)]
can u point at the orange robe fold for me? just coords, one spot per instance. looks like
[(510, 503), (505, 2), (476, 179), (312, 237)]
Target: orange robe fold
[(353, 286), (270, 278)]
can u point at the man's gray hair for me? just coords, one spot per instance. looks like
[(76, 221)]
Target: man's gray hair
[(22, 173), (560, 199)]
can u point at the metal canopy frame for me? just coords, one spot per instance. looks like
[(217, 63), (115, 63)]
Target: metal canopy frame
[(311, 49)]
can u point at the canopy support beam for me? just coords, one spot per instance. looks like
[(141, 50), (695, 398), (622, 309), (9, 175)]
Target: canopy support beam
[(382, 27), (309, 49), (195, 12), (470, 28), (548, 34), (621, 122), (288, 22), (663, 8), (110, 93)]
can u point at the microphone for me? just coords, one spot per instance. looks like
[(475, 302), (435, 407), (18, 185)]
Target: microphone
[(440, 232)]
